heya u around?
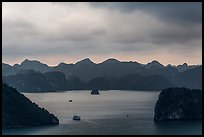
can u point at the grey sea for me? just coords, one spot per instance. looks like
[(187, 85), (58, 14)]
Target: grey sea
[(112, 112)]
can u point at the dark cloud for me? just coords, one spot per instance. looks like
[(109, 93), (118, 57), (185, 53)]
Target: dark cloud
[(86, 29), (176, 35), (168, 11)]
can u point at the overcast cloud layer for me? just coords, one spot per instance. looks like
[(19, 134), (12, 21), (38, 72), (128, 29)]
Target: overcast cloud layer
[(68, 32)]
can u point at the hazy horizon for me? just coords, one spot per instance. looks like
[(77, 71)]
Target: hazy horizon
[(99, 62), (53, 32)]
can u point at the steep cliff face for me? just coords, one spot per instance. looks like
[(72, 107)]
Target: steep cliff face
[(19, 111), (179, 104)]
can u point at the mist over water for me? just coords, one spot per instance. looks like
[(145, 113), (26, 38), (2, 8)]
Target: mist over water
[(105, 114)]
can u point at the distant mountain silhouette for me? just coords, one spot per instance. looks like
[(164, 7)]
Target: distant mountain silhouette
[(32, 81), (153, 82), (155, 64), (38, 66), (111, 73), (139, 82), (85, 61), (8, 70), (191, 78), (127, 82), (110, 61), (18, 111), (85, 70), (100, 83), (64, 68), (185, 66)]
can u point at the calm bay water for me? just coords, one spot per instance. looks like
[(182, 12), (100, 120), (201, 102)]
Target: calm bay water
[(105, 114)]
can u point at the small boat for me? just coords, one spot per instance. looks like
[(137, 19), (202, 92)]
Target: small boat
[(76, 117), (95, 92)]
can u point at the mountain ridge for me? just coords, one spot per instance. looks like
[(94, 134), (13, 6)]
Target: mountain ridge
[(86, 70), (153, 61)]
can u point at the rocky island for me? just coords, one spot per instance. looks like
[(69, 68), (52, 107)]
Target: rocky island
[(179, 104), (95, 92), (18, 111)]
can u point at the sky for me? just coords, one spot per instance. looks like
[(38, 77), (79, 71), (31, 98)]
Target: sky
[(53, 32)]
